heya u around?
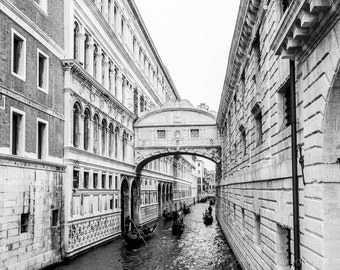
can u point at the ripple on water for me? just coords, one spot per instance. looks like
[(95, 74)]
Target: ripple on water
[(200, 247)]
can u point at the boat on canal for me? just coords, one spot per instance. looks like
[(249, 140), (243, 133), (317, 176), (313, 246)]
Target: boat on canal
[(208, 219), (178, 226), (140, 234)]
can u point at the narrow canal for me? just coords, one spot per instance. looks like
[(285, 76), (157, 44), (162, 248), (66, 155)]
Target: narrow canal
[(199, 247)]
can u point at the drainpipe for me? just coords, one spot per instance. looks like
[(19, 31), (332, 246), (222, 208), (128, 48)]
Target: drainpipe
[(295, 183)]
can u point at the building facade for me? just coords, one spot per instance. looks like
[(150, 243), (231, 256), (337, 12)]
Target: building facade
[(112, 73), (31, 137), (75, 75), (254, 193)]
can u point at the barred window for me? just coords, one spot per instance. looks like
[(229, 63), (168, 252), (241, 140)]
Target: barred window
[(161, 134), (195, 133)]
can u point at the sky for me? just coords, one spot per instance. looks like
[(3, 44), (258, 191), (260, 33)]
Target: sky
[(193, 39)]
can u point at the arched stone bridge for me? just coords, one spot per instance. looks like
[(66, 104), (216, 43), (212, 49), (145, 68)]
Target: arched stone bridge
[(177, 128)]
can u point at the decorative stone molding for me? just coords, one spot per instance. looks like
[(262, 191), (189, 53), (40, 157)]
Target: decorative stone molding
[(304, 22)]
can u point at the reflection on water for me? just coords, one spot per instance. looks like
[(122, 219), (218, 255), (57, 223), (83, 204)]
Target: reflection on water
[(199, 247)]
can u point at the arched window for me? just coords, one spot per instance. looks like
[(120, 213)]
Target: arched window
[(96, 134), (87, 119), (111, 139), (75, 40), (103, 69), (86, 50), (103, 137), (76, 124), (95, 52), (116, 142), (124, 144)]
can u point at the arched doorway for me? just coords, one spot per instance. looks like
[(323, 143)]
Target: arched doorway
[(160, 208), (124, 202), (134, 202)]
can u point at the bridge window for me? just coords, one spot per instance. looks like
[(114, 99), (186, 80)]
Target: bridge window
[(195, 133), (283, 246), (161, 134), (257, 229), (284, 105)]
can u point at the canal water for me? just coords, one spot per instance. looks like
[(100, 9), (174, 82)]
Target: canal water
[(199, 247)]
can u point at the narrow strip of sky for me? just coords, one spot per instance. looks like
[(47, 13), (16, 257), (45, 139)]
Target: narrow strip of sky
[(193, 38)]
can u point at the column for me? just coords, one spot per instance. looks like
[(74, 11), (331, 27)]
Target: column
[(81, 131), (119, 85), (89, 55), (106, 73), (105, 9), (112, 79), (91, 137), (99, 65), (81, 45)]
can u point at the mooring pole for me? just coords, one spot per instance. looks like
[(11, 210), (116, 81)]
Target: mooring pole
[(295, 179)]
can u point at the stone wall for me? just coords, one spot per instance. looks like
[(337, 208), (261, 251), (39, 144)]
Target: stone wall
[(254, 204), (34, 190)]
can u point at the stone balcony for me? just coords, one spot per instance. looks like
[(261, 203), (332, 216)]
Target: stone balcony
[(303, 24)]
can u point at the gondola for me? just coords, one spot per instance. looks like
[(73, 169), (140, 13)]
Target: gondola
[(186, 210), (136, 237), (168, 216), (178, 227), (207, 218)]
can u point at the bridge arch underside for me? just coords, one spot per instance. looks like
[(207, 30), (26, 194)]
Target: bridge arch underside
[(159, 154)]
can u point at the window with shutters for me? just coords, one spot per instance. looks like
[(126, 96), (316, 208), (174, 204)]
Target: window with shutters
[(284, 106), (86, 179), (75, 179), (42, 139)]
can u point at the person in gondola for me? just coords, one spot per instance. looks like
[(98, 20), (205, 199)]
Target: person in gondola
[(175, 217), (209, 209), (127, 224)]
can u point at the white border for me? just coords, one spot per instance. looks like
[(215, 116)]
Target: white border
[(47, 66), (44, 156), (14, 32), (22, 145)]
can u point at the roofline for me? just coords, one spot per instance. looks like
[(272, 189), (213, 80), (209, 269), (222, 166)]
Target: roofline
[(142, 25), (174, 109)]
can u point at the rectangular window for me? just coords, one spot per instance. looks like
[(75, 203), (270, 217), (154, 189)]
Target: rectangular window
[(95, 180), (195, 133), (111, 203), (75, 179), (24, 222), (17, 132), (284, 105), (18, 55), (42, 138), (55, 215), (116, 203), (103, 181), (257, 229), (86, 179), (161, 134), (42, 4), (110, 182), (42, 71)]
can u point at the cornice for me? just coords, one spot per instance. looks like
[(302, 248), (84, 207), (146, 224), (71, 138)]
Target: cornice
[(243, 34), (152, 46), (117, 43), (76, 69), (304, 25)]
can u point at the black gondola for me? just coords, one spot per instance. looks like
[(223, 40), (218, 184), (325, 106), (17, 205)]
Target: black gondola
[(178, 227), (135, 237), (186, 210), (207, 218), (168, 216)]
